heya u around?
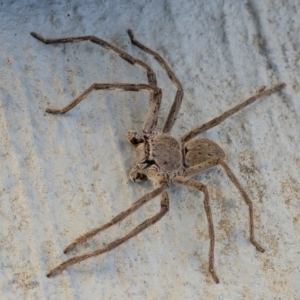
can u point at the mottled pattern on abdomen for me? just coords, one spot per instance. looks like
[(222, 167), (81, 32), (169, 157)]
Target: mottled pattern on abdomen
[(198, 151)]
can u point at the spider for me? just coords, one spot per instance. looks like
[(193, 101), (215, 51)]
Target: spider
[(161, 158)]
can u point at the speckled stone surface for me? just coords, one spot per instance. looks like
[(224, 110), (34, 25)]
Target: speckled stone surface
[(64, 175)]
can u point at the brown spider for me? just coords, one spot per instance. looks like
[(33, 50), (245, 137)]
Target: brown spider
[(160, 157)]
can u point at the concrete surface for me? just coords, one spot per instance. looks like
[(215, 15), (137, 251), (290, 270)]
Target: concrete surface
[(64, 175)]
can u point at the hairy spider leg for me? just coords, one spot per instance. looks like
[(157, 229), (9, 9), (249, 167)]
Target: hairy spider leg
[(216, 121), (151, 119), (179, 94)]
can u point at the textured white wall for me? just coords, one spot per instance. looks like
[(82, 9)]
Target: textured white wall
[(64, 175)]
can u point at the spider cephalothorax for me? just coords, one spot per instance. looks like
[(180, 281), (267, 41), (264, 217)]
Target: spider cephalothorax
[(160, 149), (161, 157)]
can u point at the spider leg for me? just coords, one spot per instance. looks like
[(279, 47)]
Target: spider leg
[(246, 198), (151, 120), (164, 209), (124, 55), (201, 167), (215, 161), (201, 187), (117, 86), (120, 217), (179, 94), (216, 121)]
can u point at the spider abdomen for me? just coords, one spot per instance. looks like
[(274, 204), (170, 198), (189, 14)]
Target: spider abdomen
[(166, 151), (201, 150)]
